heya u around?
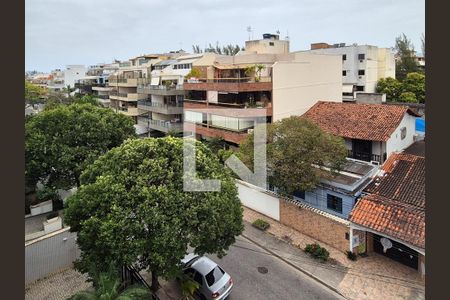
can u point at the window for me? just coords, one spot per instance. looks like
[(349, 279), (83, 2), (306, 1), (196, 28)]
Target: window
[(347, 236), (403, 133), (334, 203), (360, 88), (344, 73), (271, 43), (344, 57), (361, 56), (299, 194), (361, 72), (198, 278), (214, 276)]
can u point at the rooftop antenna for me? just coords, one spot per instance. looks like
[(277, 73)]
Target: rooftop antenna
[(278, 31), (249, 30), (287, 35)]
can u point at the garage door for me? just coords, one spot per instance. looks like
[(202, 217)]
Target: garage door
[(397, 252)]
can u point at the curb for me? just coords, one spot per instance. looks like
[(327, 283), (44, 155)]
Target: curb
[(296, 267)]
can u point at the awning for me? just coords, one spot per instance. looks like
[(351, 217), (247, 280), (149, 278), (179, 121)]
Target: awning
[(154, 81), (347, 88)]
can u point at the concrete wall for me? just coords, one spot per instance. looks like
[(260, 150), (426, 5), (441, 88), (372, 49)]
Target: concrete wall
[(314, 225), (395, 143), (267, 46), (49, 254), (259, 200), (298, 85)]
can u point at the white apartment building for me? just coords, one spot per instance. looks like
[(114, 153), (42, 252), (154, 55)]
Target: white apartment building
[(362, 65), (72, 73)]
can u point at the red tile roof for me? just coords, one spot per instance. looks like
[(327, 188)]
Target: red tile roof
[(395, 205), (374, 122)]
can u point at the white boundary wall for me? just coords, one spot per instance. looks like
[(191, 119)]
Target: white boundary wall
[(50, 253), (259, 199)]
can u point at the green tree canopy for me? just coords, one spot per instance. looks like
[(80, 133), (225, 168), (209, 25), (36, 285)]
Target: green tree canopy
[(415, 83), (406, 62), (407, 97), (61, 142), (34, 94), (389, 86), (297, 152), (131, 208)]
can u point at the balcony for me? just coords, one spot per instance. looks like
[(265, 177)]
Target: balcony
[(162, 90), (123, 82), (167, 109), (230, 109), (235, 137), (128, 111), (101, 88), (129, 97), (160, 125), (366, 156), (246, 84)]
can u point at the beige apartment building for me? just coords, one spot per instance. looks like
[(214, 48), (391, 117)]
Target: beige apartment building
[(362, 65), (265, 76), (124, 95)]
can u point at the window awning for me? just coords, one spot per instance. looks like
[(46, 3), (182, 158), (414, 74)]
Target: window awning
[(347, 88)]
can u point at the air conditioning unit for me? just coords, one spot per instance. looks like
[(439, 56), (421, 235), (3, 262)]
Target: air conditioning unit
[(375, 162)]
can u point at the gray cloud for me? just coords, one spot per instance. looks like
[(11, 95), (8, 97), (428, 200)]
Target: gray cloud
[(60, 32)]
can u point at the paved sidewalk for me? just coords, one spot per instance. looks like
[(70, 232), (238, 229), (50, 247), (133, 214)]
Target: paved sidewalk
[(372, 277), (58, 286)]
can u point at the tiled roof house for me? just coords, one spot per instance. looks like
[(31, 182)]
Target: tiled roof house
[(371, 131), (394, 208)]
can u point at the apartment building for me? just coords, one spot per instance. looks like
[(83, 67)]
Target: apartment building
[(276, 83), (72, 73), (123, 83), (95, 82), (362, 65), (162, 111)]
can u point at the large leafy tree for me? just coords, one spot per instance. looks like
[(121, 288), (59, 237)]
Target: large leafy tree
[(415, 83), (389, 86), (299, 154), (131, 208), (61, 142), (34, 94), (406, 62)]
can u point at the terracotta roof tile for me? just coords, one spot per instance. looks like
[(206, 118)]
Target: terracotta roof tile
[(395, 205), (375, 122)]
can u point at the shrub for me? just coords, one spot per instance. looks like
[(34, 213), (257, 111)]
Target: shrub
[(317, 251), (45, 194), (261, 224), (351, 255)]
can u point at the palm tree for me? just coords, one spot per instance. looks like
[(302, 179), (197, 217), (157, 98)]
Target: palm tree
[(109, 288)]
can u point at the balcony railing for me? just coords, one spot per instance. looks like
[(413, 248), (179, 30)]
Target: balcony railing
[(160, 125), (231, 80), (229, 104), (159, 105), (161, 87), (366, 156)]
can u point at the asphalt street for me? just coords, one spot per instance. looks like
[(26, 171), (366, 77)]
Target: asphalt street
[(257, 274)]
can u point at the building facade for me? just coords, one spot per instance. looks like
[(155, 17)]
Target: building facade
[(362, 65)]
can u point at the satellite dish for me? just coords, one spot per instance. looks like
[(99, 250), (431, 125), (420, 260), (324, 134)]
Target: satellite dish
[(386, 243)]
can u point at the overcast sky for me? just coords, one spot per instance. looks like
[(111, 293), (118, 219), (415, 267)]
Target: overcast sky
[(62, 32)]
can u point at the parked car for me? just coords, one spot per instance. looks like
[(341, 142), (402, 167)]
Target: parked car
[(214, 282)]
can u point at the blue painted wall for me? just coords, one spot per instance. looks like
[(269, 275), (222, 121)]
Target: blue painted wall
[(318, 199), (420, 125)]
